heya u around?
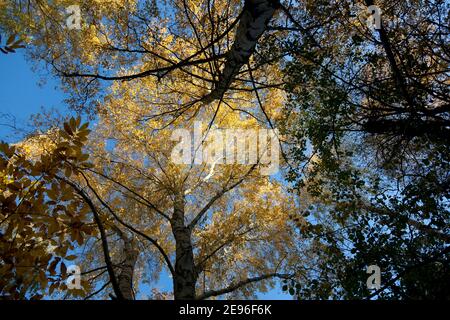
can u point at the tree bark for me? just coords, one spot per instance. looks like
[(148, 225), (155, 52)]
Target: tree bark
[(255, 17), (235, 286), (125, 278), (185, 277), (409, 128)]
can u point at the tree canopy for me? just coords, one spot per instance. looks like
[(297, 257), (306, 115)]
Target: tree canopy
[(358, 112)]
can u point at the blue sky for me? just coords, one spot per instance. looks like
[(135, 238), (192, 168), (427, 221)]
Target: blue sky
[(23, 93)]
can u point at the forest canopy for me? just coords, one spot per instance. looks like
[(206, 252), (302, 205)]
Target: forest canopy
[(348, 100)]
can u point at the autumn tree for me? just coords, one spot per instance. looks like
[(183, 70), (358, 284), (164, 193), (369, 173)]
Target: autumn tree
[(42, 220), (363, 115), (217, 229)]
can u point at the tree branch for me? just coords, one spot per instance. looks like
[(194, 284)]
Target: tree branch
[(149, 203), (255, 17), (153, 241), (233, 287), (201, 265), (159, 72), (217, 196), (109, 265), (98, 291)]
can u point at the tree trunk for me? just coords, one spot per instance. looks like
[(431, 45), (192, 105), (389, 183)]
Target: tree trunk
[(185, 277), (409, 128), (255, 17), (125, 278)]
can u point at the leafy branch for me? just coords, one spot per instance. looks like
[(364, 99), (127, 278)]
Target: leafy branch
[(12, 43)]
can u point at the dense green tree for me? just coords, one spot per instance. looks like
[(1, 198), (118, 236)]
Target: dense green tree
[(369, 122)]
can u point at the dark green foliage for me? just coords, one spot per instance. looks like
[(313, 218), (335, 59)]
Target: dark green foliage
[(369, 113)]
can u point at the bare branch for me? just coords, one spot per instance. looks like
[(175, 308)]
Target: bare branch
[(153, 241), (234, 287), (101, 228), (218, 196)]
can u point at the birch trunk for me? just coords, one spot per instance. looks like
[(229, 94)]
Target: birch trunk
[(185, 278), (125, 277), (255, 17)]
